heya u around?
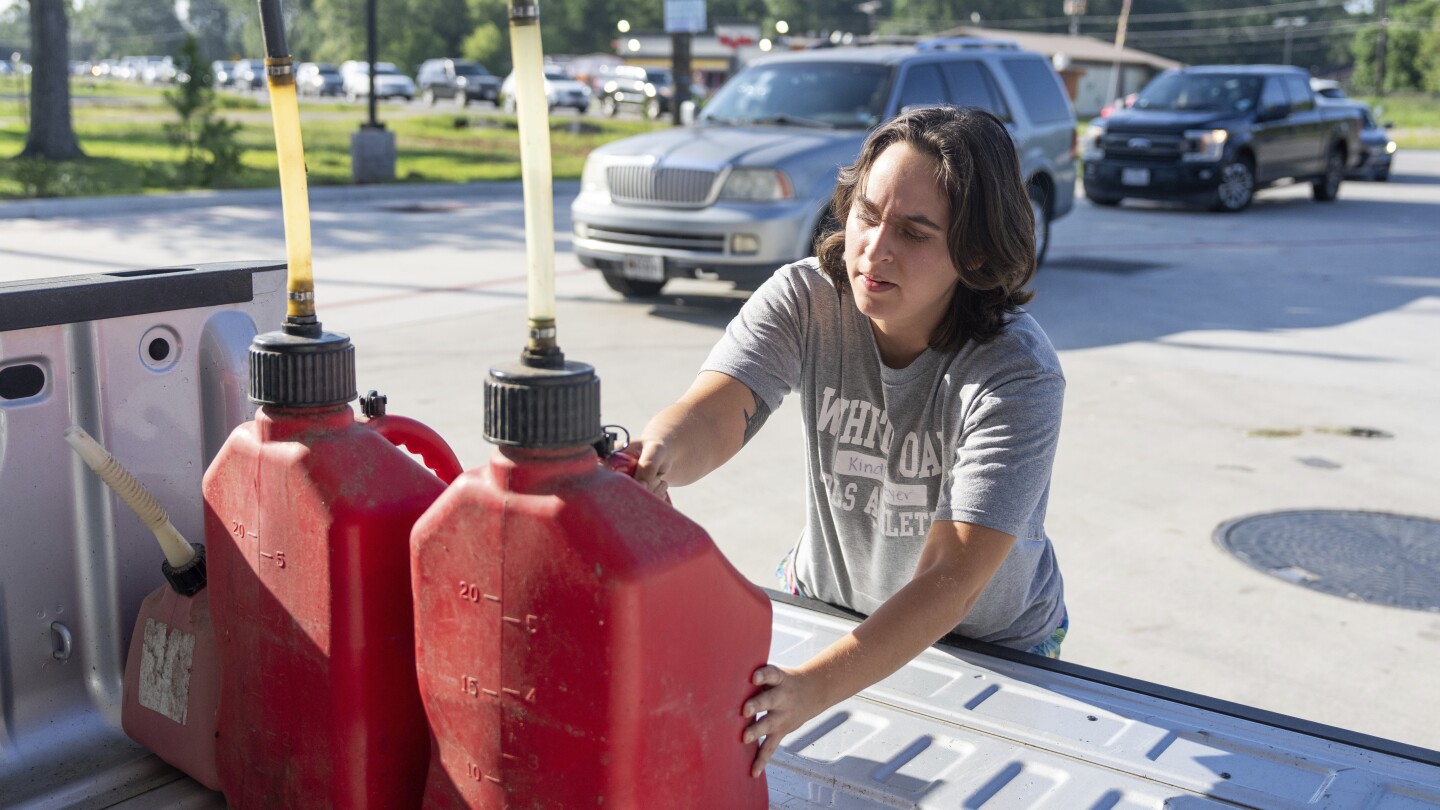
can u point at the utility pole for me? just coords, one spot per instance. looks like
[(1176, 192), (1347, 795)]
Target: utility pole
[(1116, 87), (1074, 9), (1289, 24), (1380, 47)]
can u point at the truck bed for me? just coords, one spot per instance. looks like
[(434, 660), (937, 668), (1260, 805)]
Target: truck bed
[(964, 725), (976, 726)]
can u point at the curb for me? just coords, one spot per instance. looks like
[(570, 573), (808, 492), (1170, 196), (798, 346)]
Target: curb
[(188, 200)]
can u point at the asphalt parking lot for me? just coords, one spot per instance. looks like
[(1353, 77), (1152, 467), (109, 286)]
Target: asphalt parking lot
[(1219, 366)]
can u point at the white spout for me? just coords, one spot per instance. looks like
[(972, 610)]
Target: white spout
[(177, 551)]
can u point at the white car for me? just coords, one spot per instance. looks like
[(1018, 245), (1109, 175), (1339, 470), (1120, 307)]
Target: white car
[(561, 90), (389, 81)]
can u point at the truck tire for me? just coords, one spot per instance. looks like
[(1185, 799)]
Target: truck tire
[(1237, 186), (1104, 202), (1040, 206), (1327, 186), (630, 288)]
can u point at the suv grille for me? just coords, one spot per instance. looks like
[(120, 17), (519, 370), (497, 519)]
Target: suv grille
[(1143, 146), (666, 186)]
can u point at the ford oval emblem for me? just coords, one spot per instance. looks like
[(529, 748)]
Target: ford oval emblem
[(1138, 143)]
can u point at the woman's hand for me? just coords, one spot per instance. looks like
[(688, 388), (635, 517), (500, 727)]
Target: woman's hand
[(789, 698), (653, 468)]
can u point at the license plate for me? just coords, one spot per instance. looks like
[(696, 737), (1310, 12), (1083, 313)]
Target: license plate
[(643, 268), (1134, 177)]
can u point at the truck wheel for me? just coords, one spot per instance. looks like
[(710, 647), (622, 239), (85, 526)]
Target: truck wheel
[(609, 107), (428, 96), (1104, 202), (630, 288), (652, 109), (1327, 188), (1237, 186), (1040, 206)]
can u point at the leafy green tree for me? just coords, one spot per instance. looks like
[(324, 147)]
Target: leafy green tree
[(489, 47), (115, 28), (218, 27), (1411, 43)]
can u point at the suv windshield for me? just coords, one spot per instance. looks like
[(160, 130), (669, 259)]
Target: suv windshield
[(659, 78), (817, 94), (1200, 91), (471, 70)]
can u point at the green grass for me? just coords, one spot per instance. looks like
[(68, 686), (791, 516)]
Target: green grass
[(1416, 117), (121, 128)]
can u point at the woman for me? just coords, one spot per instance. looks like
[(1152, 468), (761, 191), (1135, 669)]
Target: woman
[(931, 405)]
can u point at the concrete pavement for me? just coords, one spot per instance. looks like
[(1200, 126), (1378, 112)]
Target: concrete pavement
[(1210, 359)]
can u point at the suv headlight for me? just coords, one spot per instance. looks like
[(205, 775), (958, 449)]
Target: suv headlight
[(1205, 145), (757, 185), (592, 177), (1091, 147)]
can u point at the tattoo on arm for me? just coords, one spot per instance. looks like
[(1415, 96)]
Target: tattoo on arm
[(754, 421)]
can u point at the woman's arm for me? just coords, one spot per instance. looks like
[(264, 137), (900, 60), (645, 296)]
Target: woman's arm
[(956, 564), (697, 434)]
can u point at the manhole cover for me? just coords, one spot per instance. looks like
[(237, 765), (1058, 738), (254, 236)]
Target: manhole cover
[(1372, 557)]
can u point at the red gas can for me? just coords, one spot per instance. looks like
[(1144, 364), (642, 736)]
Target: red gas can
[(580, 643), (172, 682), (307, 518)]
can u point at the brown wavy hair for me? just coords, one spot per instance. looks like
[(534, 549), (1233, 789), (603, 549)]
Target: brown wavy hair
[(991, 234)]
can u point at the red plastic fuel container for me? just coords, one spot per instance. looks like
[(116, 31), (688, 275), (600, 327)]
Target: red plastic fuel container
[(580, 644), (308, 514), (172, 674)]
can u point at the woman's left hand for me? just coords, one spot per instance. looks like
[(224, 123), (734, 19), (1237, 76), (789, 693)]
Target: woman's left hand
[(789, 698)]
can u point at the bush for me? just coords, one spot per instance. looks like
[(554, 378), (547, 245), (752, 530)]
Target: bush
[(212, 151)]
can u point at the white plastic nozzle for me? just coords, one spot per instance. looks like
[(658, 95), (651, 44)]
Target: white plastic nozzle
[(178, 552)]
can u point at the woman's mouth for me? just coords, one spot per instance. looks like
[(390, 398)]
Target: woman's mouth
[(872, 284)]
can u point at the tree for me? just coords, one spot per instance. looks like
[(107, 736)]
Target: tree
[(115, 28), (1411, 43), (52, 134)]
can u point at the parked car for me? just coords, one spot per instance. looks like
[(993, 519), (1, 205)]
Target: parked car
[(458, 80), (748, 187), (1377, 148), (224, 72), (389, 81), (319, 79), (561, 90), (249, 74), (648, 90), (1327, 88), (1216, 134)]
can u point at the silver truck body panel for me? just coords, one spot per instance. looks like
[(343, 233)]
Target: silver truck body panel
[(76, 562)]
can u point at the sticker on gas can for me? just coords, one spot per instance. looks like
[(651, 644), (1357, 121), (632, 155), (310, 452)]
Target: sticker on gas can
[(165, 661)]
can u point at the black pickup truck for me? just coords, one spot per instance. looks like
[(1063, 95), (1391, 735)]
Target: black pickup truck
[(1215, 134)]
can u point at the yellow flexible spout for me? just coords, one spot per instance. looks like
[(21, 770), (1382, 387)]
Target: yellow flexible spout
[(294, 189), (533, 108)]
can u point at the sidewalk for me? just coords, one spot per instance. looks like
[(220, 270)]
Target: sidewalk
[(60, 207)]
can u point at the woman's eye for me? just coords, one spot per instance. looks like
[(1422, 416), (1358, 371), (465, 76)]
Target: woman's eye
[(916, 237)]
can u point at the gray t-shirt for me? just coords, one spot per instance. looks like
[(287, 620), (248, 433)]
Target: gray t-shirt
[(967, 436)]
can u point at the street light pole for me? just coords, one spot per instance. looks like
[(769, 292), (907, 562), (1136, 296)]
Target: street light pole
[(1290, 24), (372, 48), (1074, 9)]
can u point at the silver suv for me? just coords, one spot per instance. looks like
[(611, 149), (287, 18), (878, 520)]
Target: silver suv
[(747, 188)]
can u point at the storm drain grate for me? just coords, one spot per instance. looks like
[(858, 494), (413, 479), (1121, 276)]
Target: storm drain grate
[(1373, 557)]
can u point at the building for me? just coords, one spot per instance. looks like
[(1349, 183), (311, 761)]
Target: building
[(1086, 63)]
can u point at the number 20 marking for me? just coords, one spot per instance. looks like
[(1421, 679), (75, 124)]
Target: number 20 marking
[(469, 591)]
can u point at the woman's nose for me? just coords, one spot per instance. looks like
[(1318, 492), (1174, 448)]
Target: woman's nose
[(882, 238)]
